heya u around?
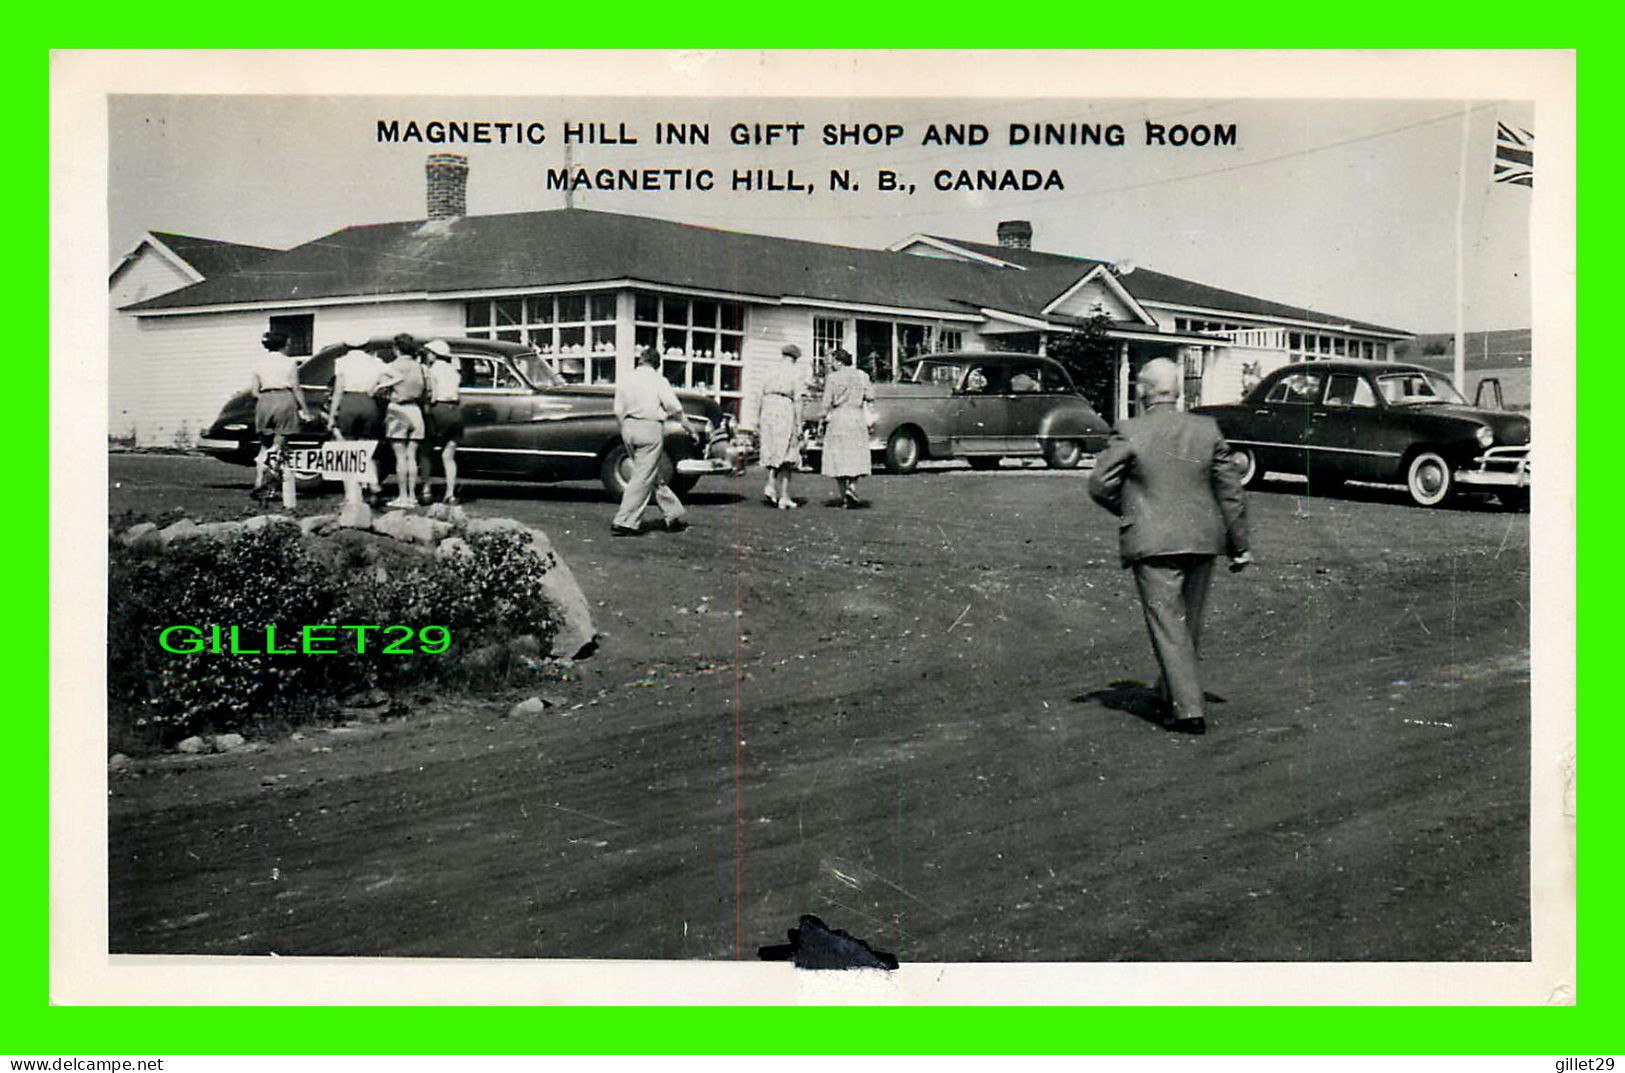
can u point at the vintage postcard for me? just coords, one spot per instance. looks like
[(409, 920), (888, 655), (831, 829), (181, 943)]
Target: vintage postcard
[(1032, 527)]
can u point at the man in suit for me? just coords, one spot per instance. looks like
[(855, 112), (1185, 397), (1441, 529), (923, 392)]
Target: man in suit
[(1169, 477)]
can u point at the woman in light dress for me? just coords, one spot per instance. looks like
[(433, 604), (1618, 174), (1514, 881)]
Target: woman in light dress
[(778, 425), (847, 395)]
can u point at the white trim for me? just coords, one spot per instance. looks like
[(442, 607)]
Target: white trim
[(1171, 337), (895, 311), (1325, 326), (180, 263), (603, 285), (257, 307), (1113, 285), (1018, 319), (948, 247), (464, 449)]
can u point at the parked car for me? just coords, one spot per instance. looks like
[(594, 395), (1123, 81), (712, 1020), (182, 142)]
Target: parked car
[(521, 420), (982, 407), (1341, 420)]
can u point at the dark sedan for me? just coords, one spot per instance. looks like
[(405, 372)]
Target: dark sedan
[(522, 422), (1335, 421)]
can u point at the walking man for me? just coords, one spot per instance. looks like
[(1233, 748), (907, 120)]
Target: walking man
[(1169, 477), (643, 401)]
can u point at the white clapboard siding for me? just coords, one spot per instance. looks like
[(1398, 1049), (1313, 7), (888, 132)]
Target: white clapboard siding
[(767, 329), (1221, 382), (146, 275)]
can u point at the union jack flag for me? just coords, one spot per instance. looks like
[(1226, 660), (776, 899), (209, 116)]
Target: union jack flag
[(1514, 155)]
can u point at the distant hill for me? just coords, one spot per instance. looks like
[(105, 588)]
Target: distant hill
[(1508, 349)]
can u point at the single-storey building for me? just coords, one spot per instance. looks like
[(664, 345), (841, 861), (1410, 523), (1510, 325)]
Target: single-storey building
[(587, 287)]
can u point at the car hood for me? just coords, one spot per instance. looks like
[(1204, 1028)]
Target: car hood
[(1510, 428)]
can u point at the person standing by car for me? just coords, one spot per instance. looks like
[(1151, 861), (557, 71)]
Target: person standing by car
[(847, 398), (445, 417), (1169, 476), (403, 384), (352, 409), (777, 424), (643, 401), (279, 406)]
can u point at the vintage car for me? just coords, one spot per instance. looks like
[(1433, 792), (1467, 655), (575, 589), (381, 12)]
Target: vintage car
[(1342, 420), (522, 422), (982, 407)]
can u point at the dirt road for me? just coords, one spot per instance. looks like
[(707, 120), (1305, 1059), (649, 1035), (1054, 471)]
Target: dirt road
[(900, 719)]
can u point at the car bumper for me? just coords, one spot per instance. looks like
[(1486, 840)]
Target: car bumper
[(1499, 467)]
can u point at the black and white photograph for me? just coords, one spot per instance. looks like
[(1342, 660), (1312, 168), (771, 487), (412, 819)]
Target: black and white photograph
[(763, 513)]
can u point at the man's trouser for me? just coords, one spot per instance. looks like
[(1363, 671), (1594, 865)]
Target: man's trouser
[(1173, 590), (644, 440)]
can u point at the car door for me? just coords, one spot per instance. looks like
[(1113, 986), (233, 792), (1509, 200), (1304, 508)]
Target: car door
[(1032, 391), (982, 410), (498, 407), (1345, 434), (1278, 427)]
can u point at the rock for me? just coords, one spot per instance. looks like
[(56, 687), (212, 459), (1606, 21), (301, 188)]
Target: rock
[(367, 698), (453, 547), (176, 531), (141, 532), (411, 528), (362, 715), (528, 706), (526, 644), (269, 521), (192, 745), (356, 515), (576, 635), (318, 523), (485, 657), (118, 761), (226, 742), (452, 515)]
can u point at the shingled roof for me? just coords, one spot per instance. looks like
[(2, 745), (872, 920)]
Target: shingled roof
[(560, 247), (212, 257), (1149, 286)]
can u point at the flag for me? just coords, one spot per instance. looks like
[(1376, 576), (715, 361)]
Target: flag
[(1514, 155)]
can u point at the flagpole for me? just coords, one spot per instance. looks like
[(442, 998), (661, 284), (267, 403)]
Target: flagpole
[(1461, 213)]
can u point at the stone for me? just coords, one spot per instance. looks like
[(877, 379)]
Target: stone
[(411, 528), (226, 742), (192, 745), (485, 657), (117, 762), (528, 706), (317, 523), (453, 547), (362, 715), (451, 514), (355, 515), (367, 698), (176, 531), (269, 521), (576, 636), (136, 534)]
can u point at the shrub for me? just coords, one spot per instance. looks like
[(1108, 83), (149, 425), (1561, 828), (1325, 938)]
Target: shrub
[(273, 576)]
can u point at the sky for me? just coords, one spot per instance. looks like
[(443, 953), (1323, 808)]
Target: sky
[(1347, 207)]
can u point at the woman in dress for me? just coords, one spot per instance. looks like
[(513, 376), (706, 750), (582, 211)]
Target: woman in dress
[(847, 395), (778, 425), (279, 407)]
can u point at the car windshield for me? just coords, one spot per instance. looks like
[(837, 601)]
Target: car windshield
[(536, 369), (1418, 387), (935, 372)]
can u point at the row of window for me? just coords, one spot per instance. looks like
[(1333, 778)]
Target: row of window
[(879, 346), (1301, 346)]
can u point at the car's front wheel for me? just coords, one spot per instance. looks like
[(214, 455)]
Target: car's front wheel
[(616, 470), (903, 452), (1063, 454), (1428, 479)]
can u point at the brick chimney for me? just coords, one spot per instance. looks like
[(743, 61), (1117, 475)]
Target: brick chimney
[(447, 185), (1016, 234)]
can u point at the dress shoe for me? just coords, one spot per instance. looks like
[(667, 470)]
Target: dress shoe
[(621, 530), (675, 525), (1196, 725)]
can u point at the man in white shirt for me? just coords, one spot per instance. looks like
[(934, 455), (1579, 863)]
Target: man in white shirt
[(643, 401)]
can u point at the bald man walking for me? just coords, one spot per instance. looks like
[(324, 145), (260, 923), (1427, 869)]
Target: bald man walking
[(1169, 477)]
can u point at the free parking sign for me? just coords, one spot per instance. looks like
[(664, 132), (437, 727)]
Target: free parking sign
[(336, 461)]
